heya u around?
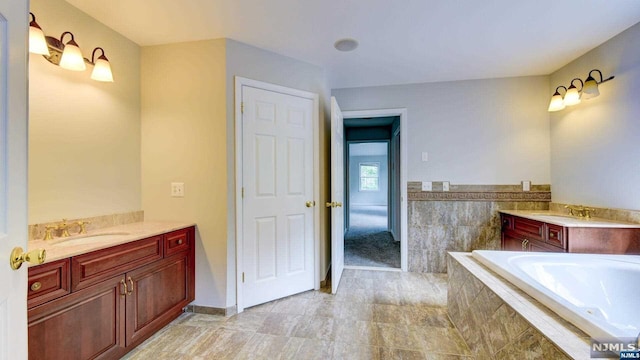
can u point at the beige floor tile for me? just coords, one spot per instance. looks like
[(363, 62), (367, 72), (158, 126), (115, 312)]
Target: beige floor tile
[(400, 354), (221, 344), (374, 315), (441, 340), (394, 314), (354, 351), (267, 347), (398, 336), (291, 305), (324, 308), (316, 327), (357, 311), (312, 349), (279, 324), (246, 321), (356, 332)]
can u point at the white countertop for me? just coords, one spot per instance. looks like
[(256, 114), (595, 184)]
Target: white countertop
[(566, 220), (60, 248)]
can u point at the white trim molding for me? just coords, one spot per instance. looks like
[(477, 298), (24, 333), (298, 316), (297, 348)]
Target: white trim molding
[(402, 113)]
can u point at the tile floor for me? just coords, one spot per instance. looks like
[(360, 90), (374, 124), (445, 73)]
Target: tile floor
[(374, 315)]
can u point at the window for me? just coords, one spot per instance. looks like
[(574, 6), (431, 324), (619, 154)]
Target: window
[(369, 176)]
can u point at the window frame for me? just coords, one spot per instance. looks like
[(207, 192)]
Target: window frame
[(360, 177)]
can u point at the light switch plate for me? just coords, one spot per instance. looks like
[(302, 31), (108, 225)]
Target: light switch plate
[(426, 186), (425, 156), (177, 189), (526, 185), (445, 186)]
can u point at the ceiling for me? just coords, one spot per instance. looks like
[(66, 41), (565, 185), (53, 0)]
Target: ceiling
[(417, 41)]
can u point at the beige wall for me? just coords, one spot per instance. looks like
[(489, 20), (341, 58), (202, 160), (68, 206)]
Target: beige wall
[(84, 135), (492, 131), (258, 64), (595, 145), (184, 139)]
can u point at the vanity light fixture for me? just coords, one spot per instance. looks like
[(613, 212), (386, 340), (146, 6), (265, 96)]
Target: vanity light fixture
[(67, 55), (37, 43), (557, 102), (572, 96), (71, 55), (101, 67), (590, 89)]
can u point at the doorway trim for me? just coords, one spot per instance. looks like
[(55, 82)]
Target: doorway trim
[(402, 113), (239, 83)]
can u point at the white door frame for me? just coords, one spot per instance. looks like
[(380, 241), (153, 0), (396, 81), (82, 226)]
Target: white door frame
[(402, 113), (239, 83)]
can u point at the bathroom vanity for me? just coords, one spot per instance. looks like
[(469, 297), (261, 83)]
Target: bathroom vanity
[(553, 232), (101, 298)]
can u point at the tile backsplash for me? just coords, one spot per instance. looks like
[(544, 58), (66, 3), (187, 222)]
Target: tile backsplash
[(36, 231), (632, 216), (463, 219)]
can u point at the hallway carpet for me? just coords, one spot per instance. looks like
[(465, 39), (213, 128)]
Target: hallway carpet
[(367, 242)]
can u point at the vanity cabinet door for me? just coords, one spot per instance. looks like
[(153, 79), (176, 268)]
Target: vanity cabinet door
[(159, 292), (87, 324), (510, 243)]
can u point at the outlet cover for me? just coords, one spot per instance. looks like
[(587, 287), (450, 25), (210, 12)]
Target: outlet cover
[(426, 186), (177, 189), (526, 185), (445, 186)]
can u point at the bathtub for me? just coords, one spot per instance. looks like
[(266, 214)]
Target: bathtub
[(600, 294)]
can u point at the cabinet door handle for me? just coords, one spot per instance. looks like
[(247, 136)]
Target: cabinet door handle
[(525, 242), (131, 284), (123, 288)]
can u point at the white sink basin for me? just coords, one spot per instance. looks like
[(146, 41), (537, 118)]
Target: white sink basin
[(83, 239)]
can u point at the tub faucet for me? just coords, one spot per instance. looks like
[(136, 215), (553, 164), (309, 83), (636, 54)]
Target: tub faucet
[(580, 211)]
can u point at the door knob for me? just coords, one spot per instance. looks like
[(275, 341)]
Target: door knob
[(18, 256), (310, 204)]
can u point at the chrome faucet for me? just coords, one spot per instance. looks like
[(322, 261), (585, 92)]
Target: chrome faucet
[(580, 211)]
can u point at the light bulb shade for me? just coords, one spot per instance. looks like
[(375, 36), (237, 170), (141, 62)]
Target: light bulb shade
[(556, 103), (72, 57), (37, 42), (102, 70), (572, 97), (590, 89)]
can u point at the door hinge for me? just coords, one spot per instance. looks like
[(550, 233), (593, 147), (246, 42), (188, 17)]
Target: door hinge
[(243, 277), (242, 107), (242, 193)]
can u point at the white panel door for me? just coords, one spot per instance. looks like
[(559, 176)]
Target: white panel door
[(277, 181), (13, 176), (337, 195)]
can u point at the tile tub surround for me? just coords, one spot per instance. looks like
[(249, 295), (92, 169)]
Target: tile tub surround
[(632, 216), (499, 321), (436, 227), (374, 315), (36, 231)]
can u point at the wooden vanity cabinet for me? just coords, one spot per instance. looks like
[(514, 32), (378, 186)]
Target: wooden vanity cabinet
[(106, 318), (522, 234)]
